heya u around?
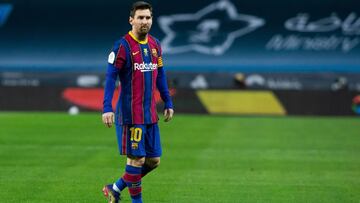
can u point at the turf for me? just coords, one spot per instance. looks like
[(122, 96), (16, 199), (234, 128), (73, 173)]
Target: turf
[(54, 157)]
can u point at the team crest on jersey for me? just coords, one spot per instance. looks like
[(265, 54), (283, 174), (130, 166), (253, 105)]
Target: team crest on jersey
[(154, 52), (146, 52)]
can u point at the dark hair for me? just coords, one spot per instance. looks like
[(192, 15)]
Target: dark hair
[(140, 5)]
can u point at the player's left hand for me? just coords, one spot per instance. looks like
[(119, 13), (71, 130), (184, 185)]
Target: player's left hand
[(168, 114)]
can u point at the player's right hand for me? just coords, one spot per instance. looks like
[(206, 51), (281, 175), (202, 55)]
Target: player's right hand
[(108, 119)]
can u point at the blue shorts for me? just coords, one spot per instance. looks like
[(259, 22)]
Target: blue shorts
[(139, 140)]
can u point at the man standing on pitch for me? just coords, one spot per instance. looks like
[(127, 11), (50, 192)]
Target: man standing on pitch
[(137, 60)]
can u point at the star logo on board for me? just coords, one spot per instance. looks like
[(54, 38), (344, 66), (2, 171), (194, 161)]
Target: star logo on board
[(211, 30)]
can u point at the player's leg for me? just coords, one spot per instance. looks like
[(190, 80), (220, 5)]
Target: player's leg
[(112, 191), (132, 177), (135, 151), (151, 138), (153, 149), (123, 134), (150, 164), (138, 140), (144, 140)]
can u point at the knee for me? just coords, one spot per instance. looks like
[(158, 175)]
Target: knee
[(153, 162), (136, 161)]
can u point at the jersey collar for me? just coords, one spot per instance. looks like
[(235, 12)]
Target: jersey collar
[(139, 41)]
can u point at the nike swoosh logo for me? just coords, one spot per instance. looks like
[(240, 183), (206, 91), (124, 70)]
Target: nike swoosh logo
[(134, 53)]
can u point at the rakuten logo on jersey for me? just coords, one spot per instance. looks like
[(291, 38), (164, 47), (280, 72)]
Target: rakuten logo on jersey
[(144, 67)]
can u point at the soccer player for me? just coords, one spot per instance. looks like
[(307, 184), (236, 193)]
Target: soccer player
[(137, 60)]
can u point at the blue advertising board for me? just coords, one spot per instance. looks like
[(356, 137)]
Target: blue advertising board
[(216, 35)]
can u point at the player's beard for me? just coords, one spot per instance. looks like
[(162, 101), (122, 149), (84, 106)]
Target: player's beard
[(144, 29)]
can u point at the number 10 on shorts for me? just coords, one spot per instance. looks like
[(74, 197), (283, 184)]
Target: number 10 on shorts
[(136, 134)]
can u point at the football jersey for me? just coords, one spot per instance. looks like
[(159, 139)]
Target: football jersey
[(139, 66)]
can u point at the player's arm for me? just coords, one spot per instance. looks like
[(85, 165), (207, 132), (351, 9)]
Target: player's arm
[(162, 86), (115, 62)]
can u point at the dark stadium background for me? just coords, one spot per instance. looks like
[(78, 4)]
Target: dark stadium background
[(47, 46)]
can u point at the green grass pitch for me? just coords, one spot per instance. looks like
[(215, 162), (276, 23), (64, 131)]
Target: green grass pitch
[(54, 157)]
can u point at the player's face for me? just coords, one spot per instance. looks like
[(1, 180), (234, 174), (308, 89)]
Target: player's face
[(141, 22)]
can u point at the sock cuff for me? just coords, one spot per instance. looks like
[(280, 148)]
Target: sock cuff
[(133, 170)]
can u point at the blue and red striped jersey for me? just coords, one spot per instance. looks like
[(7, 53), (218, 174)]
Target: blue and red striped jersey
[(139, 66)]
